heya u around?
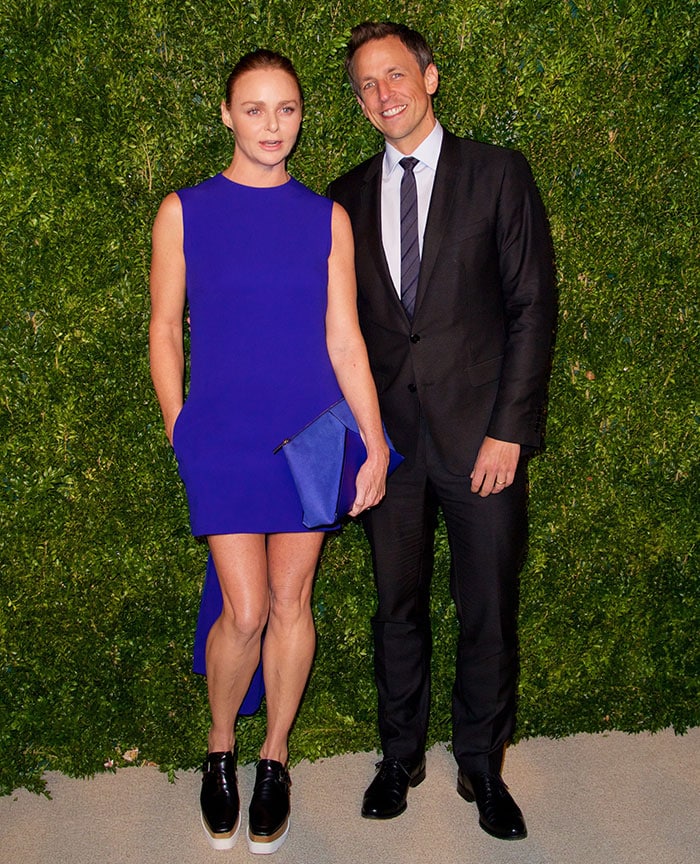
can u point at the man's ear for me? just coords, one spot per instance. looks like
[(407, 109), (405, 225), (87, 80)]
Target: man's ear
[(431, 76)]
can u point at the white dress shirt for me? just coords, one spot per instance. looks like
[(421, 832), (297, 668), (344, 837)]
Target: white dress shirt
[(427, 153)]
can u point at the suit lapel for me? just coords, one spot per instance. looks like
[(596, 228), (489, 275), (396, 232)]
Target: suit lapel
[(372, 235), (439, 214)]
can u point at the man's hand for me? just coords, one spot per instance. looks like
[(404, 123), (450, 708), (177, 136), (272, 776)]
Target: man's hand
[(495, 466)]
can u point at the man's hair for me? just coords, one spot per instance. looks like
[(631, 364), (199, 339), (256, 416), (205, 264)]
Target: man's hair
[(369, 30)]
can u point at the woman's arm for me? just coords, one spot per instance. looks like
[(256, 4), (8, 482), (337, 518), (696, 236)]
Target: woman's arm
[(167, 310), (348, 354)]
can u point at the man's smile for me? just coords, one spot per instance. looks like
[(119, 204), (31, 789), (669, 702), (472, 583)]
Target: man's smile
[(392, 112)]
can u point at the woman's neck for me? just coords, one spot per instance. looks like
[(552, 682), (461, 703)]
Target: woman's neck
[(256, 175)]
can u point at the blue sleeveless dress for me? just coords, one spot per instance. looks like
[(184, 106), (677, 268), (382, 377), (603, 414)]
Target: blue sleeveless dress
[(257, 277)]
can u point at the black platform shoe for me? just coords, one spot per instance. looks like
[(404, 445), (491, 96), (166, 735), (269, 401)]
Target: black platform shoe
[(220, 805), (268, 815)]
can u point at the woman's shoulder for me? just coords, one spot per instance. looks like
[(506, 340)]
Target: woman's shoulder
[(310, 198), (202, 188), (304, 190)]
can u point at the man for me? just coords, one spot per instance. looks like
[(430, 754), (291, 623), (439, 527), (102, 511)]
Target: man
[(456, 299)]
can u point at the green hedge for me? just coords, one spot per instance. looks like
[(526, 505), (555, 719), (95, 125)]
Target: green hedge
[(108, 106)]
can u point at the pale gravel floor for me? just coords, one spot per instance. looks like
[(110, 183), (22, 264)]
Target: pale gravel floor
[(587, 799)]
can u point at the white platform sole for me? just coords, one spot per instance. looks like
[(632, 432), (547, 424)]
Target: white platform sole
[(222, 841), (267, 845)]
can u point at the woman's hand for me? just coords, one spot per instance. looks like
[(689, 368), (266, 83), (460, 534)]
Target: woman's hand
[(170, 429), (370, 484)]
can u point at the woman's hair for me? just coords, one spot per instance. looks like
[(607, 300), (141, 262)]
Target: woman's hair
[(260, 59), (369, 30)]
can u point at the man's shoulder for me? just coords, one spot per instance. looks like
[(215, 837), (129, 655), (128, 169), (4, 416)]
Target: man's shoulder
[(353, 179), (483, 150), (483, 161)]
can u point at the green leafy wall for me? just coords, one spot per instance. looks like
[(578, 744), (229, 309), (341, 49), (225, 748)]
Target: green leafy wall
[(106, 107)]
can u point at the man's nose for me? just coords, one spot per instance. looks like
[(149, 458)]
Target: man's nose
[(383, 91)]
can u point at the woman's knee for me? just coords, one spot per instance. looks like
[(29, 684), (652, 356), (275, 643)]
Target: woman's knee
[(288, 610), (245, 623)]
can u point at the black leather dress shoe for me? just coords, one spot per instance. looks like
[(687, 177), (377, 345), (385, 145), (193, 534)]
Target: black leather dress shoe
[(268, 815), (386, 794), (219, 800), (499, 815)]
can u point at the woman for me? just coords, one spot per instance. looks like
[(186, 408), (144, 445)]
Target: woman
[(266, 267)]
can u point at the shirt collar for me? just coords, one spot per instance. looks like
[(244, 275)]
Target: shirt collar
[(427, 152)]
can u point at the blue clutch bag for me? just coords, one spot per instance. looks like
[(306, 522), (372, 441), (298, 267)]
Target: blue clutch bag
[(324, 458)]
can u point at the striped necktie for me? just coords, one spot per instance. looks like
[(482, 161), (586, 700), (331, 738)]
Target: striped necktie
[(410, 254)]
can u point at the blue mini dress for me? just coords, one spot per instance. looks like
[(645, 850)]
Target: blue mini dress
[(257, 288)]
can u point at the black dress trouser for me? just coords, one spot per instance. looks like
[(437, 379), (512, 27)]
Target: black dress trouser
[(488, 540)]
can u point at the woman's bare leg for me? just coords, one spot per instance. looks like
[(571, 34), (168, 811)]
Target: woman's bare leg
[(290, 639), (233, 645)]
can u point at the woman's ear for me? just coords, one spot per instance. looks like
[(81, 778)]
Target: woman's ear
[(226, 115)]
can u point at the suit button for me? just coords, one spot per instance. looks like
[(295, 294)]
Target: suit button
[(412, 388), (415, 338)]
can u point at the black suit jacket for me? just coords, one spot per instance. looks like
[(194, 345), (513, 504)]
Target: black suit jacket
[(475, 359)]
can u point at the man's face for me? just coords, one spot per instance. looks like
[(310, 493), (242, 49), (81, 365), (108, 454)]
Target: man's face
[(395, 96)]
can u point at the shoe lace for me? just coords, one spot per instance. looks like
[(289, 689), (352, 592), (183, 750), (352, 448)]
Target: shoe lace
[(391, 767), (494, 785)]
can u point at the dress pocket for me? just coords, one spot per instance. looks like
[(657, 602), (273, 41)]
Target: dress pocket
[(177, 426)]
